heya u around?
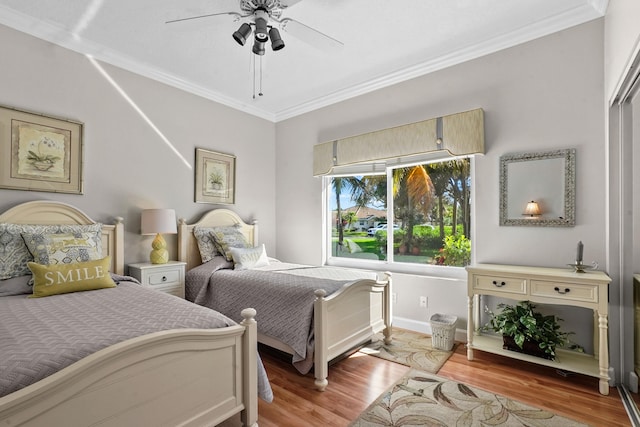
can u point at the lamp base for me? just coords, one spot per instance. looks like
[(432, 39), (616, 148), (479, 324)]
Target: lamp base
[(159, 254)]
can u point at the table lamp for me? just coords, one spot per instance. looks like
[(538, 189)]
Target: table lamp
[(158, 221)]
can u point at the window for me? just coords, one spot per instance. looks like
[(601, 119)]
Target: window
[(411, 215)]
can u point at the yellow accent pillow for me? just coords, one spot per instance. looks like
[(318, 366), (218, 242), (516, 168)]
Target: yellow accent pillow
[(65, 278)]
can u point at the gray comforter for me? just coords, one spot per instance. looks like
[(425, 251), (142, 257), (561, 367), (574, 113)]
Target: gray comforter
[(39, 336), (282, 294)]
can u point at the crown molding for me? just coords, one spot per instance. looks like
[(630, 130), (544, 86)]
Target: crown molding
[(557, 23), (62, 37)]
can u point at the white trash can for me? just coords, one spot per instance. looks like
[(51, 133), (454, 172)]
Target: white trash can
[(443, 331)]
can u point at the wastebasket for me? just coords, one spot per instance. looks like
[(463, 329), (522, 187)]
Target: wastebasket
[(443, 331)]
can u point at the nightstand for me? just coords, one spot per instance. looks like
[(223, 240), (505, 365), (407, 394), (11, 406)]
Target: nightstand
[(167, 277)]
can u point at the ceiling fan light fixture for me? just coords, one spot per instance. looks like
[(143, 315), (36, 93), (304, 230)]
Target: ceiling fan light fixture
[(242, 34), (258, 48), (276, 41), (261, 30)]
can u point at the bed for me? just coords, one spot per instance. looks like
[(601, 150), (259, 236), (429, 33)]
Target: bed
[(346, 307), (187, 375)]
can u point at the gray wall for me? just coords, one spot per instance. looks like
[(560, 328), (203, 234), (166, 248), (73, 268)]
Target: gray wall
[(127, 165), (545, 94)]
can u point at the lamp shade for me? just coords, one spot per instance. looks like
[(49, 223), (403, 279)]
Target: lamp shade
[(532, 209), (155, 221)]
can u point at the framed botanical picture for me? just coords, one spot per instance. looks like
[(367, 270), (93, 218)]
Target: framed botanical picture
[(215, 177), (40, 153)]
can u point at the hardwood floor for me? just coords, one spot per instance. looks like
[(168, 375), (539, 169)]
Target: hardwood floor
[(356, 381)]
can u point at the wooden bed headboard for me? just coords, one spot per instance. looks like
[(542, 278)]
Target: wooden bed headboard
[(50, 212), (188, 246)]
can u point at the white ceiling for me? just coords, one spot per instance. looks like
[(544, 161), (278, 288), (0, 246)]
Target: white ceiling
[(384, 42)]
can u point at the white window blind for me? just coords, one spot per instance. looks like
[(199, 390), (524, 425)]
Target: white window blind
[(453, 135)]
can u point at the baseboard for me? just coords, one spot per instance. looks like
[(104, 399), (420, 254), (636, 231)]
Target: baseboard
[(425, 327)]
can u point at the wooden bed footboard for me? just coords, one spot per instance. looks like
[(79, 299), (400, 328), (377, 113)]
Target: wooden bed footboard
[(175, 378), (347, 318)]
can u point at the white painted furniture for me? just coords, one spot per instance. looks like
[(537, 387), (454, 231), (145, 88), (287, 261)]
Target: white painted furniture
[(343, 320), (545, 286), (135, 382), (167, 277)]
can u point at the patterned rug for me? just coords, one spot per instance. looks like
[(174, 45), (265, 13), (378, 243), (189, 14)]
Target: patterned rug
[(409, 348), (422, 399)]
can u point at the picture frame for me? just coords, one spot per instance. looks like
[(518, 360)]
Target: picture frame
[(215, 177), (40, 152)]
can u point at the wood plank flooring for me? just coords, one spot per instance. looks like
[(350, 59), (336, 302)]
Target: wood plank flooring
[(356, 381)]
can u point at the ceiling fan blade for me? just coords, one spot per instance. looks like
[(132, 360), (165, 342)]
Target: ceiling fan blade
[(310, 35), (191, 18), (289, 3)]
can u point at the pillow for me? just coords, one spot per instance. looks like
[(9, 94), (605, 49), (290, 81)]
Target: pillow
[(64, 248), (206, 245), (15, 286), (65, 278), (14, 254), (227, 238), (245, 259)]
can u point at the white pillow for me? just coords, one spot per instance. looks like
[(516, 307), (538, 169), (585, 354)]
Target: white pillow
[(246, 258)]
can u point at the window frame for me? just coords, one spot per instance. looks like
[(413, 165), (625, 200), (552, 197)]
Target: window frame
[(429, 270)]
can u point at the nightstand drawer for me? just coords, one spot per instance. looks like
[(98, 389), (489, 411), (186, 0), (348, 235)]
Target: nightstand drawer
[(167, 277), (164, 277), (501, 284), (565, 291)]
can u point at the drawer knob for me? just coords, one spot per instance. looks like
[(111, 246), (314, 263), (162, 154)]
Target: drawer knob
[(164, 278), (560, 291), (499, 285)]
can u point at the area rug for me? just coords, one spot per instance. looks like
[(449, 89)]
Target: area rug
[(409, 348), (423, 399)]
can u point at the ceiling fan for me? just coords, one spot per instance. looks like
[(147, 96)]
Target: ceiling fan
[(258, 16)]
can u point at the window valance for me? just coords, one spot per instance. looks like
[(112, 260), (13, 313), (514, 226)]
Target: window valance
[(453, 135)]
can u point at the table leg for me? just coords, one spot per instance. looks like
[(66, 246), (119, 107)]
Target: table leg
[(470, 327), (603, 326)]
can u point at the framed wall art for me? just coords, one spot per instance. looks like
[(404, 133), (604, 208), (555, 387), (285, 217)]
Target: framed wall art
[(215, 177), (40, 153)]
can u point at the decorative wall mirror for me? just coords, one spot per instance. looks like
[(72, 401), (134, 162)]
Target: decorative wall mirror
[(538, 189)]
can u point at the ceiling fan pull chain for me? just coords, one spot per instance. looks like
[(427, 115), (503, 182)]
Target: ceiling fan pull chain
[(260, 93), (253, 62)]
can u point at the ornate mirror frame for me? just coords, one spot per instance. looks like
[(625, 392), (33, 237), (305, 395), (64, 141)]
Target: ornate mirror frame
[(567, 188)]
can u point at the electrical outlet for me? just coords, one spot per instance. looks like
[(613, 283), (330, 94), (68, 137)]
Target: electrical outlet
[(394, 297), (423, 302)]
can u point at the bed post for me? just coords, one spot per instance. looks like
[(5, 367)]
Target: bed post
[(118, 255), (255, 232), (249, 416), (321, 364), (387, 313), (182, 240)]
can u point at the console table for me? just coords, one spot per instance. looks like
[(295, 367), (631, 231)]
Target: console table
[(546, 286)]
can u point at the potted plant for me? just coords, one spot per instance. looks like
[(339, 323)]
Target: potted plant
[(526, 330), (216, 180)]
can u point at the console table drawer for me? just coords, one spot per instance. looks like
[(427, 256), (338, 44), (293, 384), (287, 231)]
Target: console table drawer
[(565, 291), (500, 284)]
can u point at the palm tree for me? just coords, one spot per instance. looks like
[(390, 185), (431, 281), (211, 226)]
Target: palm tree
[(414, 198), (440, 177), (459, 190), (361, 193), (350, 217)]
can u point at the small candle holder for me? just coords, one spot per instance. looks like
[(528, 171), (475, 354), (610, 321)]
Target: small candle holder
[(579, 267)]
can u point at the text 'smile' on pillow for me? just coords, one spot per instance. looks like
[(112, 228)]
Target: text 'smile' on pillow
[(246, 258)]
